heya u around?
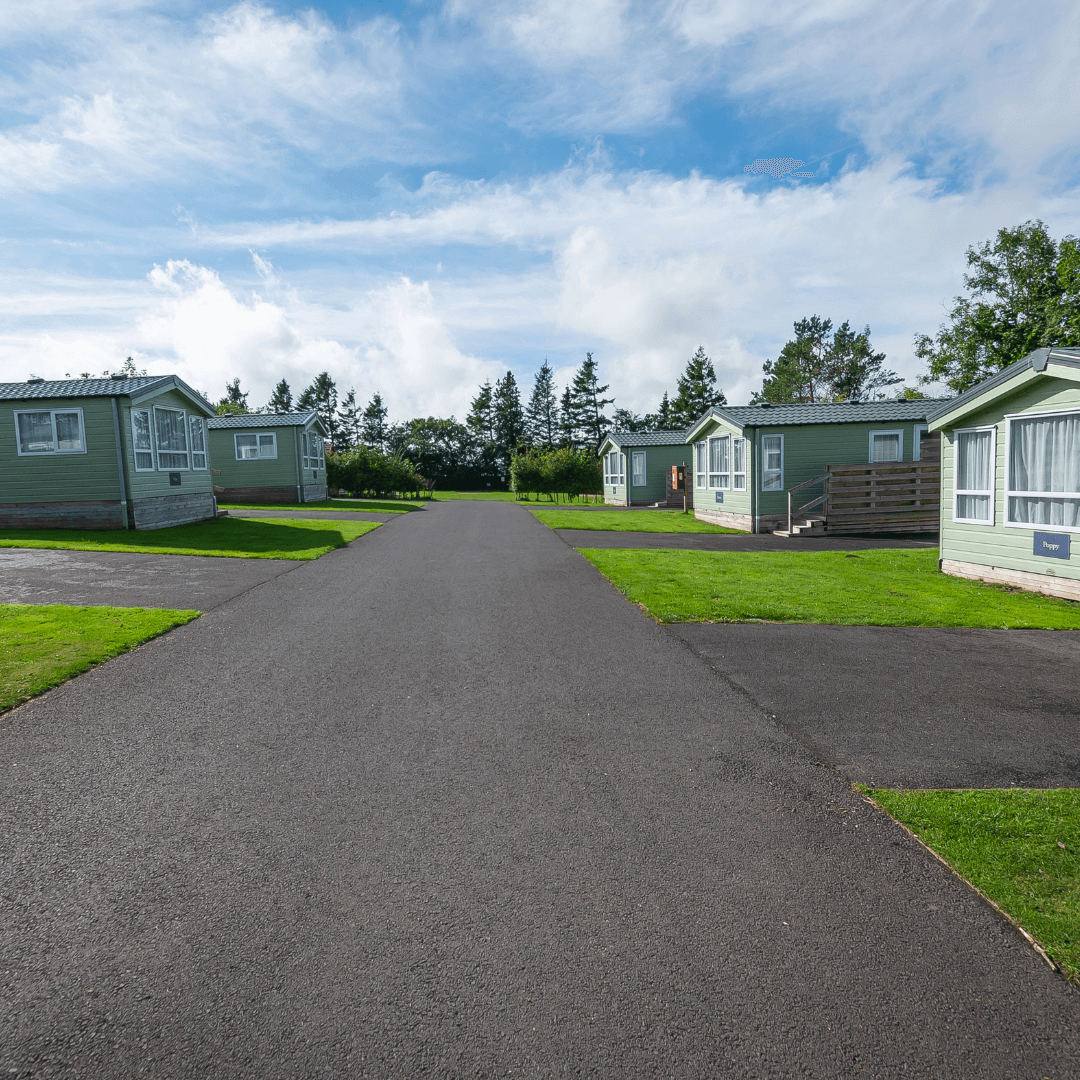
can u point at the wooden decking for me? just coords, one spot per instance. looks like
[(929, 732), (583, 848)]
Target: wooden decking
[(883, 497)]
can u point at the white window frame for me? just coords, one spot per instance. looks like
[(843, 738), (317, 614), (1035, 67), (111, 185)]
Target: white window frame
[(56, 451), (1031, 526), (634, 472), (992, 491), (701, 463), (617, 461), (917, 433), (899, 448), (204, 453), (311, 455), (765, 458), (719, 478), (157, 449), (135, 450), (258, 436), (735, 474)]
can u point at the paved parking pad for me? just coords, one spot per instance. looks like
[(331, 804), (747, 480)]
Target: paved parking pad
[(121, 579), (913, 706)]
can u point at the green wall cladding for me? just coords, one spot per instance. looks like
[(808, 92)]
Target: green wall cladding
[(146, 485), (996, 545), (262, 472), (658, 463)]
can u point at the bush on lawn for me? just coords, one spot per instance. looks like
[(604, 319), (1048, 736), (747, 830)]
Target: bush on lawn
[(556, 472), (363, 471)]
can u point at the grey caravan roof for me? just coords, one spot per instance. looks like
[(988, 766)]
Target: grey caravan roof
[(645, 438), (263, 420), (141, 386), (830, 412), (1036, 360)]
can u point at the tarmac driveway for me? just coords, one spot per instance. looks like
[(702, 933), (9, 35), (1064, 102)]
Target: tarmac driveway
[(444, 803), (913, 706), (122, 579)]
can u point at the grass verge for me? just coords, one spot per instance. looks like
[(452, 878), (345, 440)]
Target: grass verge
[(650, 521), (43, 645), (236, 538), (883, 587), (370, 506), (1020, 847)]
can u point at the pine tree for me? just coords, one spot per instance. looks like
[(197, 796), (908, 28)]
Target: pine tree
[(373, 429), (697, 390), (234, 401), (508, 419), (281, 399), (480, 420), (663, 419), (567, 418), (588, 401), (542, 414), (628, 420), (321, 396), (349, 419)]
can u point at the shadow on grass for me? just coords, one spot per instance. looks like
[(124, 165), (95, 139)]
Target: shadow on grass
[(239, 538)]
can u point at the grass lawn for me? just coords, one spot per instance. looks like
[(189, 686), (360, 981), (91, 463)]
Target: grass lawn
[(43, 645), (1019, 847), (651, 521), (883, 587), (371, 506), (238, 538)]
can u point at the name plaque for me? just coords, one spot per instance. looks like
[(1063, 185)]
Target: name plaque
[(719, 496), (1051, 545)]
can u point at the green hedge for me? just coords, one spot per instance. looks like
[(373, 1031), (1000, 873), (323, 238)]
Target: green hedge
[(556, 472), (363, 471)]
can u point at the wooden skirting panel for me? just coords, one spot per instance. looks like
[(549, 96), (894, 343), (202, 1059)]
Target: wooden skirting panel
[(62, 515), (258, 494), (726, 518), (1067, 588), (167, 510), (314, 493)]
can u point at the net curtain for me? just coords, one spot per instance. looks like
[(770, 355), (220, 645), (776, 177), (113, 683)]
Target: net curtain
[(1045, 457)]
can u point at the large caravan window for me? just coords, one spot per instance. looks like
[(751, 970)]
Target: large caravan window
[(251, 447), (170, 427), (50, 431), (720, 461), (1043, 484), (613, 469), (772, 462), (638, 468), (973, 469)]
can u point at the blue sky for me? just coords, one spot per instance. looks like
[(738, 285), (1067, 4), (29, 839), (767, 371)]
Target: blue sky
[(416, 196)]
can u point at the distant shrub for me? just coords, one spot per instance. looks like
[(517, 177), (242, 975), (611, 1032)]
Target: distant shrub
[(563, 471), (363, 471)]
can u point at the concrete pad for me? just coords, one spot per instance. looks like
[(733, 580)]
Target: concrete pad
[(120, 579), (912, 706)]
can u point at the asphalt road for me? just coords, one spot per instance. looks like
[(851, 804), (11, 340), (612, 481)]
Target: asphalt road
[(443, 803), (913, 706), (597, 538), (192, 582), (331, 515)]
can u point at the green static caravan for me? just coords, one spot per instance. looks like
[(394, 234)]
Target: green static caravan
[(1010, 475), (116, 453), (269, 457), (746, 459), (645, 459)]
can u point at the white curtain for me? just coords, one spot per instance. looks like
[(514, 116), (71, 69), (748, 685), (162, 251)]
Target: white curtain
[(1045, 457), (973, 471)]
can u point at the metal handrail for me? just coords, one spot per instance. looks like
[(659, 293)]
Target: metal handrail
[(791, 512)]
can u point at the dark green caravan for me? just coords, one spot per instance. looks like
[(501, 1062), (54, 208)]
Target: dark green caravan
[(112, 453), (269, 457)]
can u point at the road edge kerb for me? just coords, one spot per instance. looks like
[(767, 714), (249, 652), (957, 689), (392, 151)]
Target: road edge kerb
[(855, 787)]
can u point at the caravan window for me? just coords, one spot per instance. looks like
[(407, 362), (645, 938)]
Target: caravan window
[(887, 445), (738, 447), (772, 462), (638, 467), (973, 469), (720, 461), (50, 431), (1043, 486), (170, 429)]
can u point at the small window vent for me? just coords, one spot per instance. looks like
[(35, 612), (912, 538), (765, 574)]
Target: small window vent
[(119, 375), (35, 379)]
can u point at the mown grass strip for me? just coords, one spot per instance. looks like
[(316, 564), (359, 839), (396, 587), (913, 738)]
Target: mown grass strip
[(1020, 847), (360, 506), (235, 538), (883, 587), (649, 521), (43, 645)]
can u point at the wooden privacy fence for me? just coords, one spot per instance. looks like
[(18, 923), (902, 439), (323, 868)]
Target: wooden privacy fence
[(902, 496)]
